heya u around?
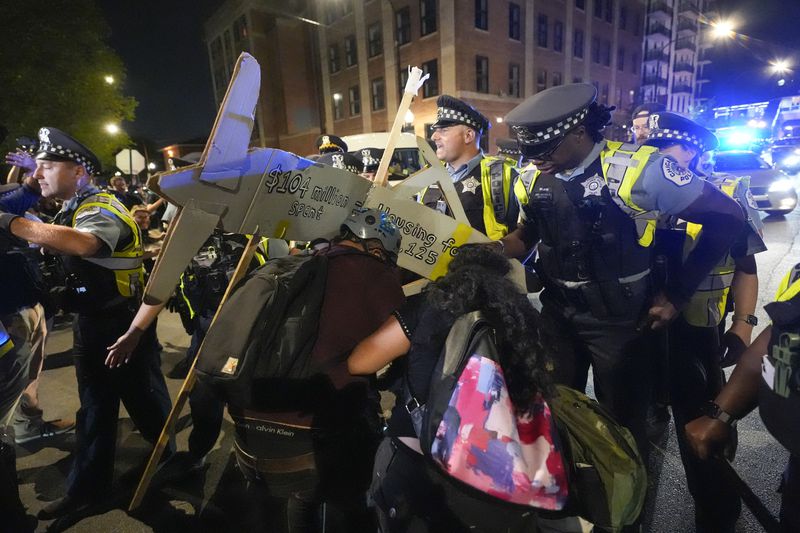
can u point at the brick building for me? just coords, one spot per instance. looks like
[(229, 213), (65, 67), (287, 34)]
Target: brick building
[(346, 75)]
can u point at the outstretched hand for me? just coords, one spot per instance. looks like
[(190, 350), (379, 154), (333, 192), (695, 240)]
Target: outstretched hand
[(21, 159), (121, 351), (661, 312)]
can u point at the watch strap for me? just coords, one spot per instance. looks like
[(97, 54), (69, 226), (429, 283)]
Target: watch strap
[(750, 319), (715, 411)]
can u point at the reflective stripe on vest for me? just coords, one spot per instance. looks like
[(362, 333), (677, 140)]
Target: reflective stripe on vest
[(126, 263), (497, 175), (623, 164), (707, 305), (790, 285)]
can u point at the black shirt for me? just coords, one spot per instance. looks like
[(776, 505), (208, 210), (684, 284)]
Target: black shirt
[(427, 328)]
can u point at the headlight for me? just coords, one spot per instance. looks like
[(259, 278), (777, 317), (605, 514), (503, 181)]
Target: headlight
[(781, 186)]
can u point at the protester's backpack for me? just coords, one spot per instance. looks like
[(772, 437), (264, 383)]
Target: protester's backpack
[(470, 430), (608, 481), (265, 330)]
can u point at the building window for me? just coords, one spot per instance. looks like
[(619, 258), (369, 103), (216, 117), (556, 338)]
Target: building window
[(598, 8), (635, 63), (580, 4), (513, 21), (378, 94), (558, 36), (557, 79), (431, 87), (333, 57), (402, 21), (404, 80), (606, 53), (577, 44), (609, 10), (482, 14), (427, 16), (350, 52), (337, 106), (620, 59), (596, 50), (482, 74), (513, 80), (618, 98), (375, 39), (577, 79), (541, 30), (623, 18), (240, 40), (541, 80), (355, 101), (604, 94)]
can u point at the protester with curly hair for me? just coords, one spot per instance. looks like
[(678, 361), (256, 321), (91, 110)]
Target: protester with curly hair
[(410, 495)]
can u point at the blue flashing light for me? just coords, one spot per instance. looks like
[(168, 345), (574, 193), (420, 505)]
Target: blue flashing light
[(733, 138)]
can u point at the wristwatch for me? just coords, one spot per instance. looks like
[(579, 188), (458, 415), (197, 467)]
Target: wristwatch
[(750, 319), (715, 411)]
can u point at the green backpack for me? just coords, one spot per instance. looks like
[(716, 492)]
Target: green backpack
[(608, 477)]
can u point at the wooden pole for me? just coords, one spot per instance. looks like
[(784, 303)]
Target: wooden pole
[(188, 383), (415, 81)]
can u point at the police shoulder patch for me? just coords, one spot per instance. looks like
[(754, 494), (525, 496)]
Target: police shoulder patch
[(677, 175)]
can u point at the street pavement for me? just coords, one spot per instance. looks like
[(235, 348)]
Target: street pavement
[(213, 500)]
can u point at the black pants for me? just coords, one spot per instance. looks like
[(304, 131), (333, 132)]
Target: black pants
[(790, 496), (139, 384), (618, 354), (696, 377), (207, 410)]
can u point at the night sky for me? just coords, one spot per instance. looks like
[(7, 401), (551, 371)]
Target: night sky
[(161, 44)]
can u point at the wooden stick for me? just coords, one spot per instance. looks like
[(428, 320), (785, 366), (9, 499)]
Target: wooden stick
[(415, 81), (188, 383)]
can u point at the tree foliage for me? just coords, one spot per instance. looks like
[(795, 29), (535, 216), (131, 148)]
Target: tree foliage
[(53, 63)]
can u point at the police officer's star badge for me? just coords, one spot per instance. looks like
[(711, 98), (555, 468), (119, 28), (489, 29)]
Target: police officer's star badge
[(593, 186), (470, 185)]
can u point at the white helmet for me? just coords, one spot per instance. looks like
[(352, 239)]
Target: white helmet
[(374, 224)]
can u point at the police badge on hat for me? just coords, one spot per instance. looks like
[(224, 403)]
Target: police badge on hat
[(55, 145)]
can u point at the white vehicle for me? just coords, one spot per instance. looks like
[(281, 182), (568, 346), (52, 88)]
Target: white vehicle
[(406, 159)]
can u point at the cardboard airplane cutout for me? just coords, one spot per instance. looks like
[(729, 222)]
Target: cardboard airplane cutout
[(274, 193)]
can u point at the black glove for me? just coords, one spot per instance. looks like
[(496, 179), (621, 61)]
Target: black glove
[(732, 349)]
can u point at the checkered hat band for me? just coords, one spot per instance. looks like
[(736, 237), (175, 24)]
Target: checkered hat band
[(445, 113), (57, 149), (526, 135), (677, 135)]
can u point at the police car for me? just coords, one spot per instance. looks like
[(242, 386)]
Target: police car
[(773, 190)]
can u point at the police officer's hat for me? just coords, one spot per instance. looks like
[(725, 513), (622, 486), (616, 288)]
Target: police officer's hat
[(544, 118), (370, 158), (647, 109), (451, 111), (28, 144), (55, 145), (508, 147), (327, 144), (345, 161), (669, 128)]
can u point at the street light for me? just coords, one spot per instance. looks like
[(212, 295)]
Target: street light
[(779, 66), (722, 29), (109, 79), (112, 128)]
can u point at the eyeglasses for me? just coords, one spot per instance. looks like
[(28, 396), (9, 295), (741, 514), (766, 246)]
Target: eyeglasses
[(540, 151), (639, 129)]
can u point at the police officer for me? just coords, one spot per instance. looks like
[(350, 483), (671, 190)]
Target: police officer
[(591, 206), (695, 374), (768, 375), (342, 160), (327, 144), (100, 246), (370, 161), (485, 186)]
